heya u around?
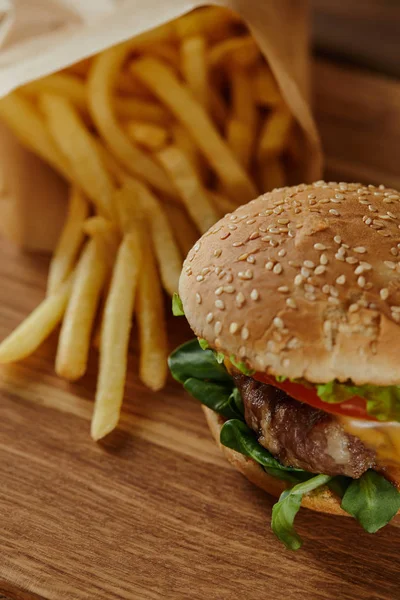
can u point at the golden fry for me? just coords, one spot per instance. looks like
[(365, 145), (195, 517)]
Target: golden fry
[(116, 328), (77, 144), (194, 68), (166, 52), (218, 108), (29, 335), (101, 83), (222, 203), (145, 110), (80, 68), (186, 109), (150, 136), (69, 86), (70, 241), (185, 231), (29, 127), (74, 341), (241, 52), (183, 140), (150, 317), (193, 195), (215, 22), (272, 174), (241, 141), (275, 134), (242, 101), (264, 87)]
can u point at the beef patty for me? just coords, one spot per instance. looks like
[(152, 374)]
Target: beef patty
[(299, 435)]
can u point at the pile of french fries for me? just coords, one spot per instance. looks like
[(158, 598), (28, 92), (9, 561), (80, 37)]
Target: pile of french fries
[(158, 137)]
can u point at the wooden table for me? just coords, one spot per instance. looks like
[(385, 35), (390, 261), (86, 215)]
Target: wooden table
[(155, 512)]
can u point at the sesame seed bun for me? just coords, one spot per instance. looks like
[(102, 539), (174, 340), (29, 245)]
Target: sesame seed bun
[(320, 500), (303, 282)]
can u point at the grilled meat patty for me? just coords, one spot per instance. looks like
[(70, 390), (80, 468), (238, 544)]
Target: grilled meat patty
[(299, 435)]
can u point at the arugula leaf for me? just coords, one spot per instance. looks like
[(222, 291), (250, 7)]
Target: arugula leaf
[(238, 436), (216, 396), (285, 510), (383, 403), (177, 306), (203, 344), (241, 366), (372, 500), (237, 399), (189, 360), (219, 357)]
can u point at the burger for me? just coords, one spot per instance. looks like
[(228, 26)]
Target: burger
[(294, 299)]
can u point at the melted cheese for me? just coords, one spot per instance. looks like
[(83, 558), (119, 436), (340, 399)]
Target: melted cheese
[(384, 438)]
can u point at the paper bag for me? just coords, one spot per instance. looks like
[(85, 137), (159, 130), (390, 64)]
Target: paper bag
[(44, 36)]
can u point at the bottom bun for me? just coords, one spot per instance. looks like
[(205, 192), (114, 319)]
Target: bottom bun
[(322, 500)]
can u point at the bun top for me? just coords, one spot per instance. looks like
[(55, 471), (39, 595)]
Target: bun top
[(303, 282)]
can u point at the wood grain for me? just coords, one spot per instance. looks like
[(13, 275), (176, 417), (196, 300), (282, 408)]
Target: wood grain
[(154, 511)]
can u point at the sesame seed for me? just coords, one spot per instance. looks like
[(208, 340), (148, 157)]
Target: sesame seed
[(395, 309), (242, 352), (250, 221), (229, 278), (229, 289), (269, 265), (232, 227), (251, 259), (254, 235), (335, 212), (333, 300), (390, 264), (342, 251), (220, 304), (337, 239), (217, 252), (298, 280), (277, 269), (305, 272), (237, 244), (309, 288), (219, 291), (233, 327), (396, 317), (243, 256), (394, 197), (225, 235), (188, 270), (286, 363), (282, 252), (341, 280), (199, 278), (339, 256), (209, 317), (319, 270), (245, 333), (196, 247), (368, 221), (240, 300), (291, 303), (394, 251), (309, 264), (339, 196), (254, 294), (198, 298), (278, 323), (354, 308), (351, 260), (361, 281), (283, 221), (333, 291), (297, 211), (384, 293), (319, 246), (273, 243), (310, 297), (283, 289), (372, 208), (245, 274), (217, 327), (360, 249)]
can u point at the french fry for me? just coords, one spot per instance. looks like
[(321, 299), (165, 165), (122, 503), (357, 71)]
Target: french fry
[(234, 52), (30, 334), (177, 97), (145, 110), (242, 101), (213, 21), (218, 108), (241, 141), (190, 188), (264, 87), (70, 241), (151, 324), (222, 203), (29, 127), (98, 226), (127, 85), (183, 140), (107, 235), (76, 329), (185, 231), (77, 144), (152, 137), (165, 247), (101, 83), (166, 52), (271, 174), (80, 68), (115, 337), (274, 134), (194, 68)]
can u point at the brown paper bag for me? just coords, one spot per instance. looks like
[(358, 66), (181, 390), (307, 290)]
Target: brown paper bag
[(30, 214)]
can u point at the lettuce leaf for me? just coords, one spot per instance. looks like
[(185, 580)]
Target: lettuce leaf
[(189, 360), (177, 306), (241, 366), (383, 403)]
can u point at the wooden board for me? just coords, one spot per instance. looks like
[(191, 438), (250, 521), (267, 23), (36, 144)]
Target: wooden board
[(154, 511)]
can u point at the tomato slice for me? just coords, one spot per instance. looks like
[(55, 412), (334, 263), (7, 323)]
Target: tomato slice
[(353, 407)]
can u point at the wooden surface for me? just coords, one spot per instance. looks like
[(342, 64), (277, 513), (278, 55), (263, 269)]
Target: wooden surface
[(155, 512)]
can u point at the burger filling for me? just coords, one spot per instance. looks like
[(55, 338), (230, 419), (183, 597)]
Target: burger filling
[(339, 436)]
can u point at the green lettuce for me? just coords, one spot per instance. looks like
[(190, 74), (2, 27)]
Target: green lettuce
[(177, 306), (383, 403)]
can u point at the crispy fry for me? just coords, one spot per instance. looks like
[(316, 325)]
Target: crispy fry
[(215, 22), (70, 241), (166, 52), (115, 337), (185, 178), (151, 324), (80, 68), (242, 102), (29, 335), (272, 175), (184, 229), (98, 226), (222, 203), (151, 137), (77, 144), (69, 86), (74, 341), (183, 140), (29, 127), (167, 252), (241, 141), (101, 83), (274, 134), (146, 110), (234, 52), (186, 109), (128, 85), (194, 68), (264, 87)]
